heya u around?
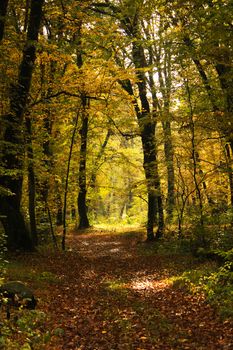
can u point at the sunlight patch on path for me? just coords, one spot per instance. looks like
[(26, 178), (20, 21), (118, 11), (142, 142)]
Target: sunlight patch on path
[(102, 248), (149, 285)]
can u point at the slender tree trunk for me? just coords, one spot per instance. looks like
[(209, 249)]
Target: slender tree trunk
[(3, 13), (202, 73), (165, 87), (226, 127), (31, 183), (195, 165), (67, 181), (47, 126), (82, 181), (82, 206), (48, 160), (228, 157), (98, 159), (51, 226), (158, 219), (168, 150), (18, 236)]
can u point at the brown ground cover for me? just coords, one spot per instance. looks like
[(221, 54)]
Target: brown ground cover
[(108, 295)]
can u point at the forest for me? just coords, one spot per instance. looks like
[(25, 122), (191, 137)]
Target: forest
[(116, 174)]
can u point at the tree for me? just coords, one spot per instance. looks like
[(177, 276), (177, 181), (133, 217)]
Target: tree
[(128, 16), (3, 12), (160, 62), (208, 43), (82, 204), (18, 236)]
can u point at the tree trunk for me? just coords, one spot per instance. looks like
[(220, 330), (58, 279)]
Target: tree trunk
[(147, 126), (225, 73), (146, 120), (82, 206), (226, 127), (47, 79), (168, 150), (147, 132), (31, 183), (165, 88), (98, 159), (194, 158), (228, 156), (18, 236), (67, 181), (82, 181), (3, 12)]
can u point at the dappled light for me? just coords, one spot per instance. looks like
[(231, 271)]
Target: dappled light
[(149, 285), (96, 299), (116, 175), (103, 247)]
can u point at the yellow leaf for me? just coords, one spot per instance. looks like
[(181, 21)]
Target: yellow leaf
[(182, 340)]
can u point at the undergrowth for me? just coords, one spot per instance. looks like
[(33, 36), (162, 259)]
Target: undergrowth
[(215, 281), (208, 269), (24, 331), (217, 286)]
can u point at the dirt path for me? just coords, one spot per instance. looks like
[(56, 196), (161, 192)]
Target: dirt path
[(108, 296)]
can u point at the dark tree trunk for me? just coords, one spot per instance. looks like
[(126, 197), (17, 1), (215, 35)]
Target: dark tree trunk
[(228, 154), (31, 183), (146, 119), (48, 126), (82, 206), (3, 12), (18, 236), (195, 161), (48, 158), (225, 73), (147, 130), (82, 181), (147, 126), (164, 75), (153, 182), (168, 150)]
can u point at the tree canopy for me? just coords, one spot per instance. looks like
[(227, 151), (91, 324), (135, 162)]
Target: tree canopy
[(114, 110)]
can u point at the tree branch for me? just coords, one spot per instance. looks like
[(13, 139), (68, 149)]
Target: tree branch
[(66, 93)]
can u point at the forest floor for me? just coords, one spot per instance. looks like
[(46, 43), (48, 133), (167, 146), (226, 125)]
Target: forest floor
[(109, 292)]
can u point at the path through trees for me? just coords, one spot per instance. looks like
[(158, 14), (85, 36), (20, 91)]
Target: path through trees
[(110, 293)]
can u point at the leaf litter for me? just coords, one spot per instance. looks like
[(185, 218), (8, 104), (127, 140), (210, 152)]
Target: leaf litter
[(109, 296)]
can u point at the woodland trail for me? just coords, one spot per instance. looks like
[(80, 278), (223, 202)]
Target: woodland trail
[(110, 296)]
